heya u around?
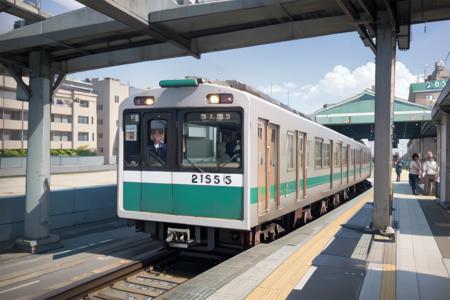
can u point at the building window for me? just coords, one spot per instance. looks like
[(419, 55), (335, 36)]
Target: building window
[(84, 103), (290, 151), (57, 118), (12, 135), (116, 99), (99, 107), (10, 114), (61, 136), (92, 120), (83, 120), (99, 121), (99, 135), (59, 101), (93, 137), (83, 136)]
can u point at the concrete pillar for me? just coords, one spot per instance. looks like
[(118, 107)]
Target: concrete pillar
[(37, 236), (384, 99), (444, 162)]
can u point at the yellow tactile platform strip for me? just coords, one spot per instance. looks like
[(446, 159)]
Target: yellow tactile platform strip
[(279, 284)]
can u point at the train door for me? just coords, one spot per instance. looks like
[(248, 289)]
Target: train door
[(301, 164), (331, 162), (132, 160), (360, 162), (347, 153), (273, 158), (158, 162), (263, 199), (354, 163), (305, 164), (340, 163)]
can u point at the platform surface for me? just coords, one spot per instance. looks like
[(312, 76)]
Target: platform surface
[(88, 250), (11, 186), (325, 260)]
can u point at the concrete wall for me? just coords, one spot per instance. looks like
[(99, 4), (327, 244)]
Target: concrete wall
[(68, 207), (21, 162)]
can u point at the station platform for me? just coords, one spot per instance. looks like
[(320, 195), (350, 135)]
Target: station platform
[(13, 186), (331, 258)]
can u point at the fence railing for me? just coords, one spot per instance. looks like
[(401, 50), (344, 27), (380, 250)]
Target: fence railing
[(21, 162)]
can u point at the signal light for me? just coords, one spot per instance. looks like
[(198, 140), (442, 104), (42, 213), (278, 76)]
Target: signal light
[(147, 100), (219, 98)]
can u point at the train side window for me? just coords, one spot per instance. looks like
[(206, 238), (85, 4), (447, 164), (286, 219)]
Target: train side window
[(344, 156), (132, 141), (337, 156), (157, 146), (326, 155), (290, 158), (300, 149), (318, 153)]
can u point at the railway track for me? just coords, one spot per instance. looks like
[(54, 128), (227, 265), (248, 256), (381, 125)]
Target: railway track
[(148, 277), (142, 280)]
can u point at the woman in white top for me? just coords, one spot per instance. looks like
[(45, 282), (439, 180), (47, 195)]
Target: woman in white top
[(415, 169)]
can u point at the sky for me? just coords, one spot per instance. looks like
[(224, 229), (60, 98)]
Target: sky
[(306, 74)]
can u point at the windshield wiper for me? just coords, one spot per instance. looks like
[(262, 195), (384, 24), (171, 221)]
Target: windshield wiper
[(162, 162), (194, 165), (226, 162)]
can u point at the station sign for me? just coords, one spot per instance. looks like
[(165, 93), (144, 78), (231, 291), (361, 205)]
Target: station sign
[(435, 84)]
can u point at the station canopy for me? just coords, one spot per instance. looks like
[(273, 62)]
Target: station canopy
[(114, 32), (355, 117)]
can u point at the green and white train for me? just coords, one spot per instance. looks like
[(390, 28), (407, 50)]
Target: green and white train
[(208, 163)]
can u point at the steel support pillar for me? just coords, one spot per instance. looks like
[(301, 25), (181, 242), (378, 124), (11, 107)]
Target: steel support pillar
[(384, 99), (37, 236), (444, 160)]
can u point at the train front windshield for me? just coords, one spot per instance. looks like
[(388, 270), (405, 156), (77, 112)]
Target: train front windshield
[(174, 140), (211, 140)]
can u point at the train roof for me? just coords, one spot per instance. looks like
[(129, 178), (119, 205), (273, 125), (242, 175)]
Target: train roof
[(195, 81)]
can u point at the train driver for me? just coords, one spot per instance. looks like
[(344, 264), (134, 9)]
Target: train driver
[(157, 148)]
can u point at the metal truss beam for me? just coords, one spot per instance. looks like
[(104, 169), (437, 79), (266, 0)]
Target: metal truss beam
[(23, 10), (205, 44), (133, 19), (354, 16)]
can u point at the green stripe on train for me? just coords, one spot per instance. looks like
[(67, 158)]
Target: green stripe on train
[(205, 201), (183, 199), (310, 182)]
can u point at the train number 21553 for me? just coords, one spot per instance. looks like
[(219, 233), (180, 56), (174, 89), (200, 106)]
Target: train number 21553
[(211, 179)]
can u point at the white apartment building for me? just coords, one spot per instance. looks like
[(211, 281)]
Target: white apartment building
[(73, 116), (111, 92)]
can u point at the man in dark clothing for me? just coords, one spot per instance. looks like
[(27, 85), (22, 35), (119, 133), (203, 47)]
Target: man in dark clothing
[(157, 149)]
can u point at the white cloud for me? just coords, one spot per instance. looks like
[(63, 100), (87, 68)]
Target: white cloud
[(336, 85), (69, 4)]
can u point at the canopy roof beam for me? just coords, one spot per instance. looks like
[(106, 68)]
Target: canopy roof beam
[(23, 10), (132, 19), (355, 17)]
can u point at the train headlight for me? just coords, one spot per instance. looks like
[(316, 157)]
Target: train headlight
[(147, 100), (219, 98)]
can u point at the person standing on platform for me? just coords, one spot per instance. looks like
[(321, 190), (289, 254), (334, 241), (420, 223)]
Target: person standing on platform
[(398, 169), (429, 173), (415, 169)]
